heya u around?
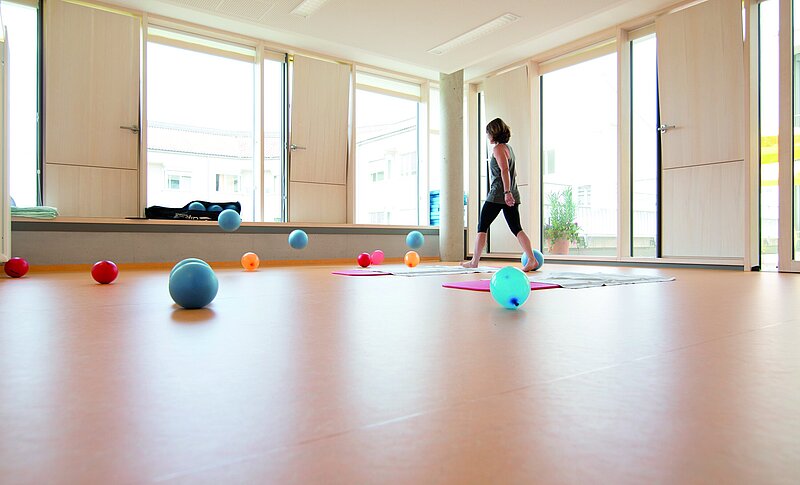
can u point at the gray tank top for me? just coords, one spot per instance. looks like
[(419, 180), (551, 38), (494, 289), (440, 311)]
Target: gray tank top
[(496, 194)]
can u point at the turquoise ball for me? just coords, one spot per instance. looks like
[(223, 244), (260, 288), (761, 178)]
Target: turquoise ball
[(510, 287)]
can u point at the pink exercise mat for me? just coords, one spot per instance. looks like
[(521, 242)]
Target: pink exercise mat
[(483, 285)]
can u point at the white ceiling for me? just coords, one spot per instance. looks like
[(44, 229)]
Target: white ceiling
[(397, 35)]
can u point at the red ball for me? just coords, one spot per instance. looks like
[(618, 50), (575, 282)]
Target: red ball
[(364, 260), (104, 272), (16, 267)]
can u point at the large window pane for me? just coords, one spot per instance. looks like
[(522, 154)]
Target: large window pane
[(644, 146), (21, 22), (386, 159), (200, 113), (769, 119), (435, 161), (579, 158), (274, 141)]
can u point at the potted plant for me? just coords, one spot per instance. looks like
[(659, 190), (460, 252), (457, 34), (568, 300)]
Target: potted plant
[(562, 229)]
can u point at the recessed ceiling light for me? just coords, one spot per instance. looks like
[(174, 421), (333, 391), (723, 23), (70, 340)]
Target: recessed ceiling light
[(307, 7), (476, 33)]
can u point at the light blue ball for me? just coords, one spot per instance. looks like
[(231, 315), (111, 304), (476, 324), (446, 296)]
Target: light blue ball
[(196, 206), (13, 203), (193, 285), (415, 240), (510, 287), (537, 255), (298, 239), (214, 208), (185, 261), (229, 220)]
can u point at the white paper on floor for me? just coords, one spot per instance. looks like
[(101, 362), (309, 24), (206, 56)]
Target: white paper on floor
[(436, 270), (590, 280)]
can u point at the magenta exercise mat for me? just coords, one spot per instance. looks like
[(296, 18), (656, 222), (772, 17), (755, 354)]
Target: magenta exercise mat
[(483, 285), (361, 272)]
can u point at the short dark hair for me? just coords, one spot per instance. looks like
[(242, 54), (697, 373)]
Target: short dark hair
[(499, 131)]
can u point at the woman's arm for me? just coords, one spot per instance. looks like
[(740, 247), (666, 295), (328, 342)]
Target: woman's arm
[(501, 155)]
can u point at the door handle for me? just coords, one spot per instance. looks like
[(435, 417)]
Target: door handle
[(295, 147), (133, 128), (663, 128)]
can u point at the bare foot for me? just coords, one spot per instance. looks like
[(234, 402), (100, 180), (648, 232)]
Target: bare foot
[(469, 264)]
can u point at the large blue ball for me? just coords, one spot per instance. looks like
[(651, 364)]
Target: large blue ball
[(537, 255), (229, 220), (193, 285), (510, 287), (298, 239), (415, 239), (196, 206), (185, 261)]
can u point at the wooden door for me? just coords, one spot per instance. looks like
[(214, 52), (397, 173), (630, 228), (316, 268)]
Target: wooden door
[(92, 77), (319, 135), (701, 92), (508, 98)]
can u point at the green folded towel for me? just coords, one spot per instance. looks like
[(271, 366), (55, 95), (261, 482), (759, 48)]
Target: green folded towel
[(38, 212)]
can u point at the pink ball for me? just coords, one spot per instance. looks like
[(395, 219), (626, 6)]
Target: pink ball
[(104, 272), (377, 257), (364, 260)]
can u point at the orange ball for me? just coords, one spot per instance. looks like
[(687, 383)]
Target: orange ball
[(250, 261), (411, 259)]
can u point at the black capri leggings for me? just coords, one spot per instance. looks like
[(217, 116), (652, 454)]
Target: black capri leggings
[(492, 209)]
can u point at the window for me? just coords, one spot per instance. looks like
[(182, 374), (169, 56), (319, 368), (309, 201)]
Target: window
[(549, 162), (644, 144), (587, 154), (178, 181), (228, 183), (21, 21), (585, 196), (200, 120), (275, 81), (387, 155)]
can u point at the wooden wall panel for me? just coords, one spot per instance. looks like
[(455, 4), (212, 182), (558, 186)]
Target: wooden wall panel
[(320, 105), (508, 97), (92, 192), (317, 203), (706, 213), (701, 83), (91, 86)]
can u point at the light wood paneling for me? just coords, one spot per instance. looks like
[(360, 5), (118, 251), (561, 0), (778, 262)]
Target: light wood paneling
[(705, 213), (701, 83), (320, 101), (91, 86), (508, 97), (91, 191), (317, 203), (5, 201)]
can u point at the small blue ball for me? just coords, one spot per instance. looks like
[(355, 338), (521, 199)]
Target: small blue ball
[(214, 208), (185, 261), (415, 239), (510, 287), (298, 239), (13, 203), (539, 258), (193, 285), (196, 206), (537, 255), (231, 207), (229, 220)]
